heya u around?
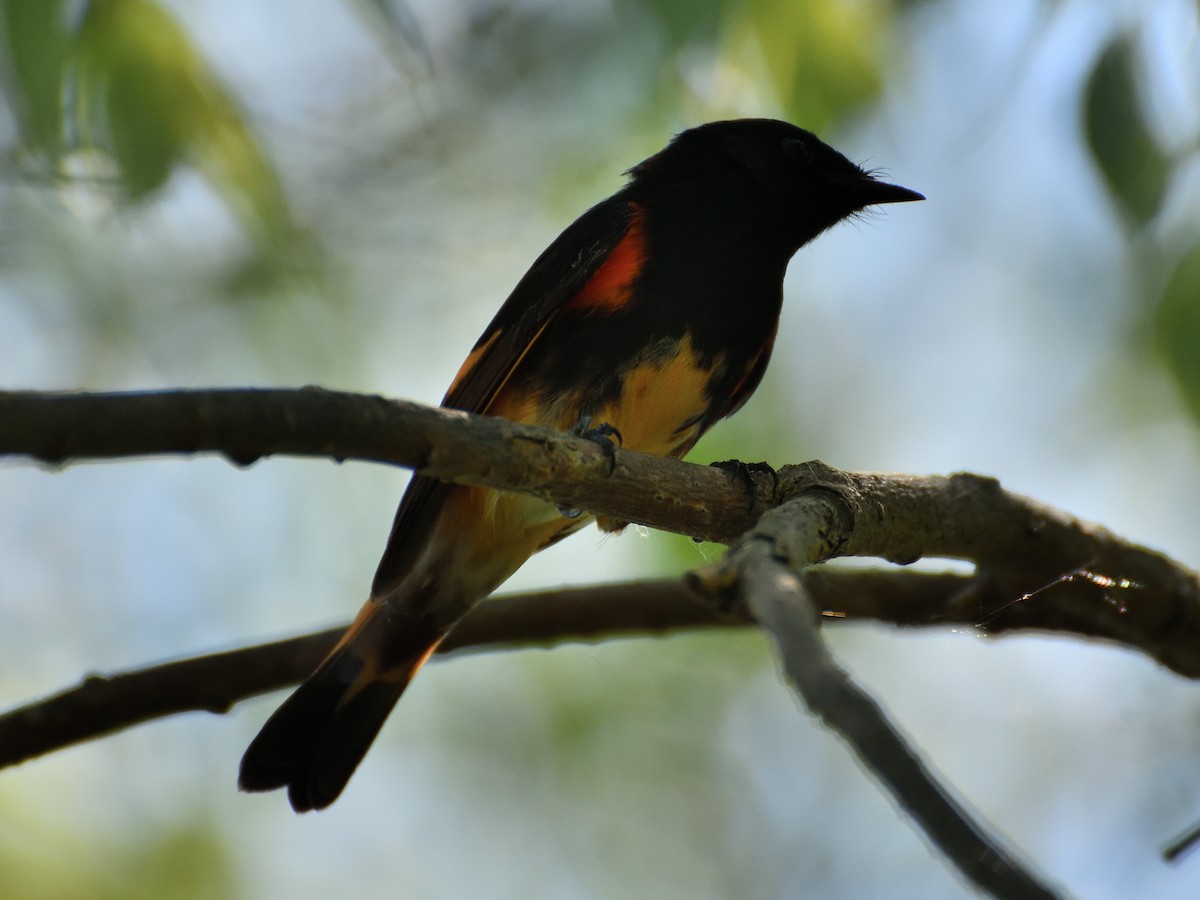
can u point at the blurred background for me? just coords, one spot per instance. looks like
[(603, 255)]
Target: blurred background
[(221, 192)]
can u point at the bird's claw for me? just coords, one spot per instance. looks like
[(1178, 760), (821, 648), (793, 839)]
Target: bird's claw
[(745, 473), (609, 439), (604, 434)]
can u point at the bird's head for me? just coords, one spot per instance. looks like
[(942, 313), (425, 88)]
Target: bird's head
[(771, 171)]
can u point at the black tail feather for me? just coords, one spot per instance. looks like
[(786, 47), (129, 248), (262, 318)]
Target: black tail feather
[(313, 743)]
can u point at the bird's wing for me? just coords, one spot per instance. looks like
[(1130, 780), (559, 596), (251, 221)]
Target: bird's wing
[(562, 272)]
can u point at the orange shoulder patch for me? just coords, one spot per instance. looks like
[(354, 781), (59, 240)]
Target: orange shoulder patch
[(610, 287)]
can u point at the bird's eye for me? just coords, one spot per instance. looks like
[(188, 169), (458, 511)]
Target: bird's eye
[(798, 150)]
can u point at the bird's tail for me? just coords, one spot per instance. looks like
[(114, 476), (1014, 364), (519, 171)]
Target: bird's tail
[(313, 743)]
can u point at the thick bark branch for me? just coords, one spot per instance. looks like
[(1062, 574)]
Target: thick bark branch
[(247, 425), (1040, 568), (1037, 567)]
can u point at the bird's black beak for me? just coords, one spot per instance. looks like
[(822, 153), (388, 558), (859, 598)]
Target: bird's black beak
[(870, 192)]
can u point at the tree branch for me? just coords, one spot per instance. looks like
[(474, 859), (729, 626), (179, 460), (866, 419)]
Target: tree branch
[(1036, 567), (101, 705), (246, 425), (761, 571), (1039, 568)]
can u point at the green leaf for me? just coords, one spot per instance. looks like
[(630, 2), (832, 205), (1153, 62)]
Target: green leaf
[(1177, 328), (683, 22), (131, 97), (1134, 167), (144, 85), (36, 46)]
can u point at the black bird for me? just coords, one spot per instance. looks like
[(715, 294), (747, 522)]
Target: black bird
[(650, 318)]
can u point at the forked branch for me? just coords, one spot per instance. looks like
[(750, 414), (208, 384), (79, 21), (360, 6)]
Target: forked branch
[(1036, 568)]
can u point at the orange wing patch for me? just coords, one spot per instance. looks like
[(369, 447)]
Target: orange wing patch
[(472, 359), (610, 288)]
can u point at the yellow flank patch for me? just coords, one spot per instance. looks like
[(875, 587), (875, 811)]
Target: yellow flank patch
[(662, 402), (493, 532)]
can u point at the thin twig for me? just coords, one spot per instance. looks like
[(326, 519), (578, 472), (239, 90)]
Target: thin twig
[(101, 705), (760, 573)]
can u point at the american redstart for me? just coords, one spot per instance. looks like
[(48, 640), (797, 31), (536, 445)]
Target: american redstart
[(651, 317)]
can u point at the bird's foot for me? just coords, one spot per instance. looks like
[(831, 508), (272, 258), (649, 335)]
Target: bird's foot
[(609, 439), (745, 473)]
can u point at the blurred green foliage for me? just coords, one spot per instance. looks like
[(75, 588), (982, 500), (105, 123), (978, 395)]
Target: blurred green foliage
[(826, 61), (1140, 175), (1177, 328), (186, 861), (823, 59), (38, 51), (123, 79), (1134, 167)]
